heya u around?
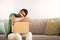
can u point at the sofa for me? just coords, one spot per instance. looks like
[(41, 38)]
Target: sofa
[(37, 27)]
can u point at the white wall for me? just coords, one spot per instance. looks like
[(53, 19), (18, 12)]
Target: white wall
[(38, 9)]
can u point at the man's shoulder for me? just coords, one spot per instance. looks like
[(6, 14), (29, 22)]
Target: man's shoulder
[(12, 14)]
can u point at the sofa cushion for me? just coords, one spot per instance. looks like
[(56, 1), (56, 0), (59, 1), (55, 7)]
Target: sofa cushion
[(52, 27), (3, 37), (45, 37)]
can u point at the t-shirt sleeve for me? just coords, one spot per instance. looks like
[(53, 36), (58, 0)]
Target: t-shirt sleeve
[(12, 14)]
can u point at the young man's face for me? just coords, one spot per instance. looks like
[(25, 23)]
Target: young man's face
[(22, 13)]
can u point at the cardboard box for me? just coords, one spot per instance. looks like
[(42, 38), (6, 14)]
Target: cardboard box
[(20, 27)]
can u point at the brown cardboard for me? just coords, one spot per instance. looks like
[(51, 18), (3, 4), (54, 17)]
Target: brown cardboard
[(20, 27)]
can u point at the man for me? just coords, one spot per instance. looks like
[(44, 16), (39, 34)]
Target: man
[(21, 17)]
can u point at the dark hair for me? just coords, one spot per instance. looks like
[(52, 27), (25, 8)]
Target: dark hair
[(25, 10)]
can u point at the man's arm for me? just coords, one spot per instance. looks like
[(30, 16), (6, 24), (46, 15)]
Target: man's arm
[(14, 19), (22, 19), (25, 19), (19, 19)]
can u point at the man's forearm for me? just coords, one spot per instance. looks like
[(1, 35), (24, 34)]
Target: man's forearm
[(18, 19), (26, 20), (12, 19), (21, 19)]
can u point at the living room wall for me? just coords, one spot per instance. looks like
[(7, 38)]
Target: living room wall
[(38, 9)]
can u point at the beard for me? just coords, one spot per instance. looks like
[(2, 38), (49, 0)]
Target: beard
[(19, 15)]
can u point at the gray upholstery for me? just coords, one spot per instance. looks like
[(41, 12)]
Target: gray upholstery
[(45, 37), (37, 27)]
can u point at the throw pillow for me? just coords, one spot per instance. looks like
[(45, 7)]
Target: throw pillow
[(2, 28), (52, 28)]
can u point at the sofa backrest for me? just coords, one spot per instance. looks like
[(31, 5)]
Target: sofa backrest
[(37, 26)]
